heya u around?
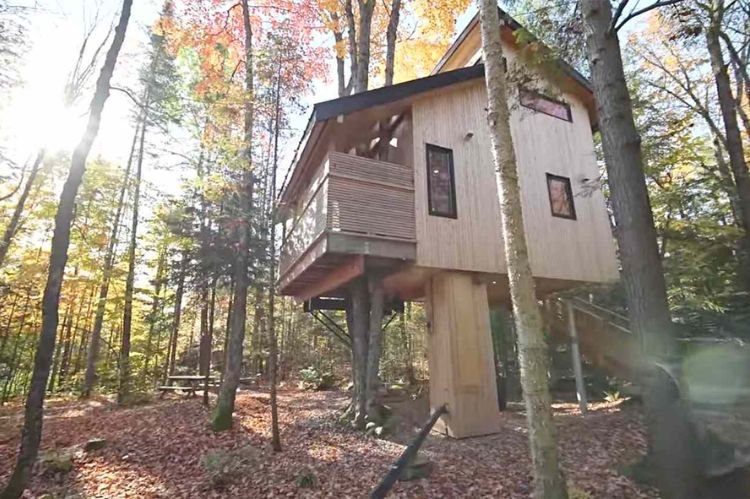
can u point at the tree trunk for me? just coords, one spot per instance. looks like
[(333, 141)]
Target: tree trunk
[(548, 478), (728, 106), (58, 351), (272, 336), (374, 347), (351, 28), (155, 307), (109, 261), (124, 381), (642, 274), (338, 37), (390, 40), (177, 314), (366, 8), (222, 417), (10, 230), (360, 313), (32, 429)]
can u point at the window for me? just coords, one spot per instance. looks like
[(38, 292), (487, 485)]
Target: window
[(543, 104), (560, 197), (441, 184)]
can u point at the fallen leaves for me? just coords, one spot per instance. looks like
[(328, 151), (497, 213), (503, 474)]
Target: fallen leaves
[(159, 451)]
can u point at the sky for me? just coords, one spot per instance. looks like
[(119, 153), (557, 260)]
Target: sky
[(34, 115)]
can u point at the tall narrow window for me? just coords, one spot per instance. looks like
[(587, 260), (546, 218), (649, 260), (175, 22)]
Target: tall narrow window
[(441, 184), (560, 197), (543, 104)]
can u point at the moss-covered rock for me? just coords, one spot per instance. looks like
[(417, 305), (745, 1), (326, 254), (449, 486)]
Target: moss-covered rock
[(94, 444), (57, 461)]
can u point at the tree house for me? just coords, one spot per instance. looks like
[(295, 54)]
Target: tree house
[(399, 181)]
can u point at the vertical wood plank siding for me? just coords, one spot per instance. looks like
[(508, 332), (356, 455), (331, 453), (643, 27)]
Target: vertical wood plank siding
[(578, 250)]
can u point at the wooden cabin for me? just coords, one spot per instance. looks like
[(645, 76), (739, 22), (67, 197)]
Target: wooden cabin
[(400, 181)]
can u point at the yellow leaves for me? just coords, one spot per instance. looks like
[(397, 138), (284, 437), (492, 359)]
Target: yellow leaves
[(340, 48)]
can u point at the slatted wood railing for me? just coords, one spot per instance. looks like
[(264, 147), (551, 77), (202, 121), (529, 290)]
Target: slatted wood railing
[(353, 195)]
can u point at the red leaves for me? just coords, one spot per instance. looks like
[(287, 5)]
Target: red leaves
[(156, 451)]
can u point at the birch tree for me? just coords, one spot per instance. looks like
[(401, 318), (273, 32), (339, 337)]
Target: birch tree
[(532, 348)]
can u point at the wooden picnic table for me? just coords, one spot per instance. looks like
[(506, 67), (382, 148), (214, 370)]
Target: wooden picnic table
[(188, 383)]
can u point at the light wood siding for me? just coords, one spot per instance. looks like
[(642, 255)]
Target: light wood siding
[(579, 250), (472, 241)]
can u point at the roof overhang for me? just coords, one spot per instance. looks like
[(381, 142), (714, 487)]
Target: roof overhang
[(513, 25), (323, 112)]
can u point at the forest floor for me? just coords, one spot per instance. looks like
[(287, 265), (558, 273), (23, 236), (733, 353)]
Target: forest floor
[(160, 449)]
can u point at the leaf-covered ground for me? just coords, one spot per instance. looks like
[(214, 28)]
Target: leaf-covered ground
[(158, 450)]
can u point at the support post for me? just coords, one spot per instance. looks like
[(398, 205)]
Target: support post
[(576, 354), (462, 374)]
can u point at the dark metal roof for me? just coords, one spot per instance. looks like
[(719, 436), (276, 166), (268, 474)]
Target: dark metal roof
[(345, 105)]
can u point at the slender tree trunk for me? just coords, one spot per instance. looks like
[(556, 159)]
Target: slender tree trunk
[(222, 417), (390, 41), (67, 352), (177, 314), (32, 429), (9, 322), (351, 29), (272, 336), (14, 360), (82, 345), (109, 261), (124, 381), (642, 274), (338, 37), (10, 230), (58, 350), (374, 348), (227, 329), (366, 8), (548, 479), (359, 322), (155, 308), (728, 106)]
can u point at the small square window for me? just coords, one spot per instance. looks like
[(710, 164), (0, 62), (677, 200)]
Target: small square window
[(441, 183), (543, 104), (560, 197)]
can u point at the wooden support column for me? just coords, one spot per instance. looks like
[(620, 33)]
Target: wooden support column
[(576, 354), (462, 374)]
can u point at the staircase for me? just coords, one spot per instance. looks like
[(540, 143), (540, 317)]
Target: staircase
[(603, 336)]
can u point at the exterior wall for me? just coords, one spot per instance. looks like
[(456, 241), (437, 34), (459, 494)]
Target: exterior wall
[(472, 241), (579, 250)]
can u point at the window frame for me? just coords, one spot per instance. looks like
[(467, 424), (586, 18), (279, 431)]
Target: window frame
[(540, 95), (433, 212), (569, 189)]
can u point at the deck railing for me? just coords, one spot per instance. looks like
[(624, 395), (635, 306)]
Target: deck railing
[(353, 195)]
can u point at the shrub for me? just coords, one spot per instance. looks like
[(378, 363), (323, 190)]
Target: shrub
[(306, 478), (313, 379), (223, 466)]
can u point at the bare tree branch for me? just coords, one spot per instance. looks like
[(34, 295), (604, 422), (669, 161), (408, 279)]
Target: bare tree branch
[(636, 13)]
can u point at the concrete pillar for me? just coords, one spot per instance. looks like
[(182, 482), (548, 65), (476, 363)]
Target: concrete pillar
[(462, 373)]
